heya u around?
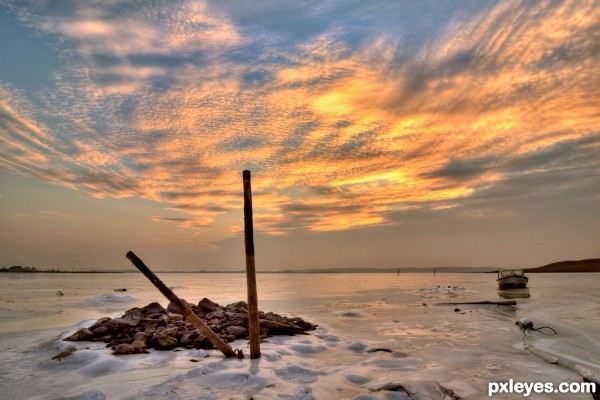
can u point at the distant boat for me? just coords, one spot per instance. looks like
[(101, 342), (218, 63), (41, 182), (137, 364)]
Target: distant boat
[(511, 279)]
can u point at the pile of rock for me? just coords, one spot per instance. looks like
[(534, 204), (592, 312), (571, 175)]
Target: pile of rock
[(153, 326)]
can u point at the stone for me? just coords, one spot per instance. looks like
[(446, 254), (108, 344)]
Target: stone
[(100, 331), (83, 334), (187, 339), (64, 354), (99, 323), (163, 320), (140, 340), (206, 306), (126, 348), (133, 316), (237, 331), (218, 314), (175, 316), (239, 307), (153, 308), (164, 342), (154, 327)]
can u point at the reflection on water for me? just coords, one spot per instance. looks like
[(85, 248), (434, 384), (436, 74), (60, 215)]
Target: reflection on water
[(514, 293)]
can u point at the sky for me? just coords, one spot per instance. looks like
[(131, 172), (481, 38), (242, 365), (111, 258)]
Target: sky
[(378, 134)]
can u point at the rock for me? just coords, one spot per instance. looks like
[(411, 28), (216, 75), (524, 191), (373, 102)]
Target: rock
[(83, 334), (153, 308), (163, 320), (218, 314), (154, 327), (238, 319), (140, 340), (120, 290), (126, 348), (133, 316), (206, 306), (64, 354), (118, 324), (148, 324), (239, 307), (101, 330), (99, 323), (59, 293), (238, 332), (175, 316), (164, 342), (187, 339)]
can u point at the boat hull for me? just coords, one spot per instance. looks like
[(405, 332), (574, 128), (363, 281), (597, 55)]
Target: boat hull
[(512, 282), (518, 293)]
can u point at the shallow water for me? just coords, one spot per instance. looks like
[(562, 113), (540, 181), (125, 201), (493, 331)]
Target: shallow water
[(463, 350)]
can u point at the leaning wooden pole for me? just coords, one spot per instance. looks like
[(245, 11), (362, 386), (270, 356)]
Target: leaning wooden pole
[(250, 269), (187, 312)]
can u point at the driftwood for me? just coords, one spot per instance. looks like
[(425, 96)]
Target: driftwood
[(497, 303), (185, 309), (280, 327)]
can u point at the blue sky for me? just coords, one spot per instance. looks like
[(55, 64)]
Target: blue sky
[(383, 134)]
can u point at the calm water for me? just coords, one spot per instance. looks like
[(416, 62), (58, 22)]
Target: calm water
[(464, 348), (30, 301)]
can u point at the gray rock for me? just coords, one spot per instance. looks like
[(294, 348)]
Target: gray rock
[(238, 331), (175, 316), (153, 308), (239, 307), (83, 334), (148, 324), (164, 342), (126, 348), (154, 327), (99, 323), (163, 320), (140, 340), (206, 306), (133, 316)]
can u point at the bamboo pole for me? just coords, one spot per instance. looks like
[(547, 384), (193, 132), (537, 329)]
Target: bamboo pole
[(253, 323), (187, 312)]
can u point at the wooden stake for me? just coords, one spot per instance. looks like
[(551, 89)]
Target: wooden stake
[(253, 323), (187, 312)]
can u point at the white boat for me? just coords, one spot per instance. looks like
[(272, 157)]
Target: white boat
[(511, 279)]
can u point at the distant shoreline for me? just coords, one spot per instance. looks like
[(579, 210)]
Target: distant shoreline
[(326, 271), (589, 265), (581, 266)]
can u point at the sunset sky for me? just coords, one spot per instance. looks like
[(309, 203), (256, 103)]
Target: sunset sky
[(378, 133)]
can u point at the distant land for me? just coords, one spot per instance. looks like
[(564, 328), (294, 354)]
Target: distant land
[(590, 265), (410, 270)]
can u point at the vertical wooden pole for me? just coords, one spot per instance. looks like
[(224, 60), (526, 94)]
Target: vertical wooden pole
[(250, 269)]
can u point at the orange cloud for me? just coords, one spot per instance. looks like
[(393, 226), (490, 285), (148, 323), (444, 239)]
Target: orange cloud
[(338, 134)]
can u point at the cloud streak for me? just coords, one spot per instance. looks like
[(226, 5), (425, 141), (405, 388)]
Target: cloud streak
[(345, 123)]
